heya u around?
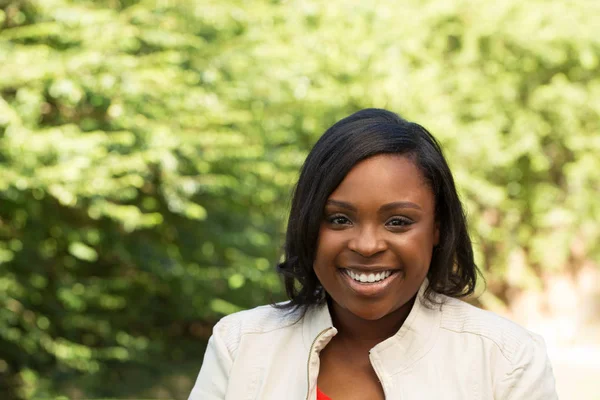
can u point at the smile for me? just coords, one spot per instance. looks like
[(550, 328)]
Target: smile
[(371, 277), (370, 284)]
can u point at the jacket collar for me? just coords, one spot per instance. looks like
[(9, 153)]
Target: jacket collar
[(415, 338)]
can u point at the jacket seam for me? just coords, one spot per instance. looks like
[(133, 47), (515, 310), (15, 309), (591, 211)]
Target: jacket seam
[(245, 329), (415, 360), (244, 332), (500, 346)]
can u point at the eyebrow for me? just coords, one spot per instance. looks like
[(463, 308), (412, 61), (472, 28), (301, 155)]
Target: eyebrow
[(383, 208)]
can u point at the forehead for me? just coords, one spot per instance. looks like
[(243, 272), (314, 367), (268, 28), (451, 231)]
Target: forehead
[(383, 179)]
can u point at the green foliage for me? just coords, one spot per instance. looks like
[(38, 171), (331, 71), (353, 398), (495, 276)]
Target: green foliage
[(148, 149)]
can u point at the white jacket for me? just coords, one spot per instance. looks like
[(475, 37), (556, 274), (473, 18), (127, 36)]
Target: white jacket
[(452, 352)]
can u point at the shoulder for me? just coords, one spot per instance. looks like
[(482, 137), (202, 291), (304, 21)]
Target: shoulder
[(511, 339), (518, 357), (231, 328)]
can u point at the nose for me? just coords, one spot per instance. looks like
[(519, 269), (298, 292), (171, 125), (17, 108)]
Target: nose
[(367, 243)]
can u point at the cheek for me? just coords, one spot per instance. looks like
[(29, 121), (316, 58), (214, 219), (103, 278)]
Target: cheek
[(329, 245), (416, 251)]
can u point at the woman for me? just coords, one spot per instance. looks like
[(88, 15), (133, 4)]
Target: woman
[(377, 254)]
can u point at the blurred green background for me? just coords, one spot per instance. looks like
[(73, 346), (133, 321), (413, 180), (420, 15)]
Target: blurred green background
[(148, 149)]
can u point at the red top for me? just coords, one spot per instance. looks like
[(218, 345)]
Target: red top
[(321, 395)]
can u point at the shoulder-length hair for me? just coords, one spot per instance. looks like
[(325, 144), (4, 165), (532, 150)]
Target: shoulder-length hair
[(364, 134)]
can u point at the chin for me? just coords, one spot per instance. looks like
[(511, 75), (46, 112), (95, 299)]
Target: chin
[(370, 313)]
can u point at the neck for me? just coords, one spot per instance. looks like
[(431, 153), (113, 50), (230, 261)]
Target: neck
[(360, 331)]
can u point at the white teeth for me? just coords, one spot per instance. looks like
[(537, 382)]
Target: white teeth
[(368, 278)]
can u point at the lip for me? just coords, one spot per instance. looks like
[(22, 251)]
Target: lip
[(369, 270), (373, 289)]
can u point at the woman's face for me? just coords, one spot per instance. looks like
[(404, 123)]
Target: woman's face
[(376, 237)]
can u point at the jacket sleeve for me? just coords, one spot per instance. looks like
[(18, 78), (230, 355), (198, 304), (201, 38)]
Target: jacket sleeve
[(214, 373), (530, 375)]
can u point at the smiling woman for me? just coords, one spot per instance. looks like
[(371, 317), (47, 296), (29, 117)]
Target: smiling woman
[(377, 254), (376, 225)]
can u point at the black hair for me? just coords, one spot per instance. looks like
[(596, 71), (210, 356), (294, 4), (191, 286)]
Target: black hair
[(364, 134)]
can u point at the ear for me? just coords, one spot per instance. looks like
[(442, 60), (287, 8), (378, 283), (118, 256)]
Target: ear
[(436, 234)]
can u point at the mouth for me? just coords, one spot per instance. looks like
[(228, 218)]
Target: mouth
[(369, 277), (369, 283)]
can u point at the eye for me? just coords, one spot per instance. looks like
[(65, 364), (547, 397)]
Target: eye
[(338, 219), (399, 222)]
